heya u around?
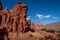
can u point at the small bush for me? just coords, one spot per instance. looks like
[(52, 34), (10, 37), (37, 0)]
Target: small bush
[(32, 30), (43, 30), (30, 35), (58, 35)]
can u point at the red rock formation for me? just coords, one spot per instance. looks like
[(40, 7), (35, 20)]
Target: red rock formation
[(14, 20), (18, 16)]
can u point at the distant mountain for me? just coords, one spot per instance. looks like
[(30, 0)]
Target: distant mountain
[(53, 26)]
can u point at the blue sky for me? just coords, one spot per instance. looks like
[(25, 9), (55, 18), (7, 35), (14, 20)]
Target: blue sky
[(47, 11)]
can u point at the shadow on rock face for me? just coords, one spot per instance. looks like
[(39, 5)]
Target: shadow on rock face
[(2, 33), (29, 29), (0, 19)]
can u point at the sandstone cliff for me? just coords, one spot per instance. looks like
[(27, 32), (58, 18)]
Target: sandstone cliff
[(14, 21)]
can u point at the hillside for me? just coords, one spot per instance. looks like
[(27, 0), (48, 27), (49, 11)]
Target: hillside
[(53, 26)]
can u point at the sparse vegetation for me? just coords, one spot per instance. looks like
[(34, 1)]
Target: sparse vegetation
[(52, 31), (58, 31), (43, 30)]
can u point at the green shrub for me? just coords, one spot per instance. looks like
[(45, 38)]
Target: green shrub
[(52, 31)]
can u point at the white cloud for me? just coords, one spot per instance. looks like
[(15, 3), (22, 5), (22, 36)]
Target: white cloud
[(48, 16), (39, 16), (28, 18)]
